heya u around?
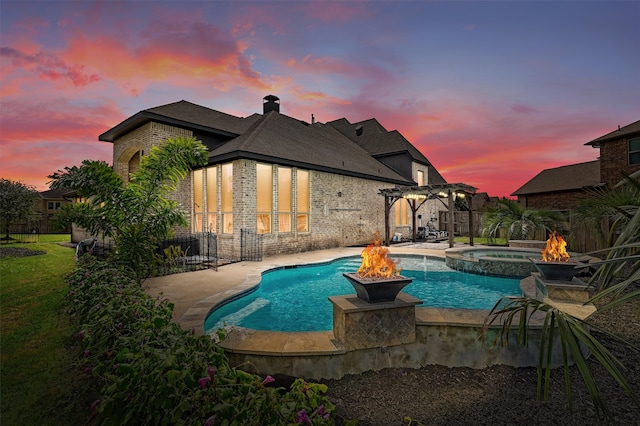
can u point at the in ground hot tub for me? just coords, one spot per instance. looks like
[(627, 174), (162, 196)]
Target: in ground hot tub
[(496, 261)]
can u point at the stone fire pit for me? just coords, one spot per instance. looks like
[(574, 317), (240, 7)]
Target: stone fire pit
[(376, 290)]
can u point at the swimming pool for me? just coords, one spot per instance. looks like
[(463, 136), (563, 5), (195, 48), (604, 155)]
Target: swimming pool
[(296, 298)]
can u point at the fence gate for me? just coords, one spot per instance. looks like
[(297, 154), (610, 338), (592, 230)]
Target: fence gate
[(250, 245)]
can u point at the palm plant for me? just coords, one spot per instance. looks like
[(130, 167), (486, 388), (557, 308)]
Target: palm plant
[(516, 222), (138, 215), (614, 277)]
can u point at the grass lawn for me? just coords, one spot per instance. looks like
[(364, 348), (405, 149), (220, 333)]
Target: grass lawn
[(483, 241), (38, 382)]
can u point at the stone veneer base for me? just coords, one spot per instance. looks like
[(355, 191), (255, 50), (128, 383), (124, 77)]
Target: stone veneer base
[(358, 324)]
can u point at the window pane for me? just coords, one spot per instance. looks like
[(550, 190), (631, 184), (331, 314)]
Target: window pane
[(227, 223), (302, 222), (284, 222), (198, 205), (264, 223), (303, 190), (198, 226), (401, 212), (211, 222), (634, 145), (227, 198), (264, 188), (284, 189), (212, 189), (634, 158)]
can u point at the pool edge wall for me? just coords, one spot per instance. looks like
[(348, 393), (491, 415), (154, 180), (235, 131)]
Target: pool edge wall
[(451, 344)]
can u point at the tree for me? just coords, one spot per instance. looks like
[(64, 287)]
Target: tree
[(138, 215), (518, 223), (17, 202)]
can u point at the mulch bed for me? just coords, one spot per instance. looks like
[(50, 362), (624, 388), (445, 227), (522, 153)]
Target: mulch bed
[(19, 252), (497, 395)]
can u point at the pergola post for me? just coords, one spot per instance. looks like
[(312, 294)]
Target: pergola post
[(471, 227), (388, 202), (450, 222)]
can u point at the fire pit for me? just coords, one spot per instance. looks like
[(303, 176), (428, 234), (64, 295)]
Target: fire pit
[(377, 280), (555, 264)]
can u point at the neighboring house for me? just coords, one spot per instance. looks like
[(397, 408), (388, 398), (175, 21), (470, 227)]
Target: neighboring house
[(48, 205), (559, 188), (619, 152), (303, 186)]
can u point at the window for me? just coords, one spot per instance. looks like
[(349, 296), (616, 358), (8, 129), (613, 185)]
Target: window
[(198, 201), (302, 199), (226, 194), (634, 151), (212, 198), (264, 197), (401, 212), (420, 178), (284, 199)]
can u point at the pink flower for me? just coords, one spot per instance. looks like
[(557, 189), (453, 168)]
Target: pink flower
[(323, 413), (210, 421), (267, 380), (203, 382), (211, 371), (303, 418)]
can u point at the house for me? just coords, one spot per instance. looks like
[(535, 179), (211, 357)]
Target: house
[(48, 205), (619, 152), (300, 186), (559, 188)]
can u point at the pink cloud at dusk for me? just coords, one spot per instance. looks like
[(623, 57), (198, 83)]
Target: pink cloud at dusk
[(491, 93)]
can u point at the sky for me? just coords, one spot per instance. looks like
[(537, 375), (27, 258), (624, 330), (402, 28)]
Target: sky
[(491, 92)]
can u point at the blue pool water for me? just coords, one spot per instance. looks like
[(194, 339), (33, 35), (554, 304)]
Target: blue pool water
[(296, 299)]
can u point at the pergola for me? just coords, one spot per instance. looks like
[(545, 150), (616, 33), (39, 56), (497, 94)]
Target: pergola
[(418, 195)]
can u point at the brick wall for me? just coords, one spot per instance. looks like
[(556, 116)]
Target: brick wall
[(614, 158), (554, 201)]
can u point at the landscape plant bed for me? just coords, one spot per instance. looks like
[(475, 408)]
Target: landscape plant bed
[(497, 395)]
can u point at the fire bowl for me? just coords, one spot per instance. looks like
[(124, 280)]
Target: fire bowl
[(375, 290), (556, 271)]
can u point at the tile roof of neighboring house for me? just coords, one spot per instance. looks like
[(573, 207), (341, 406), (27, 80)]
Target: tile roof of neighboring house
[(628, 130), (275, 137), (565, 178)]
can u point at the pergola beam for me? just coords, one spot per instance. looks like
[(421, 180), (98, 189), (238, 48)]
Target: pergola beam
[(422, 194)]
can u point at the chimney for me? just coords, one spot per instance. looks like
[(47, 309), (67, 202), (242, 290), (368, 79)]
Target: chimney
[(271, 103)]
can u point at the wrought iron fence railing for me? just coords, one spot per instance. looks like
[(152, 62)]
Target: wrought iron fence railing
[(182, 253)]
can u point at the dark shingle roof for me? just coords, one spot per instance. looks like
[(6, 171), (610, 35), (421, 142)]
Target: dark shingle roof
[(183, 114), (565, 178), (628, 130), (377, 140), (279, 138), (56, 194)]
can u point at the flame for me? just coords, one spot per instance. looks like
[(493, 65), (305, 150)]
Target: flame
[(376, 262), (556, 249)]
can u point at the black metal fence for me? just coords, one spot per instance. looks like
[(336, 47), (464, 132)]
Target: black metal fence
[(250, 245), (182, 253), (26, 234)]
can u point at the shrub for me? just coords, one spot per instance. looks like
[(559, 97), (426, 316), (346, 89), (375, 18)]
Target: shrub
[(150, 371)]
